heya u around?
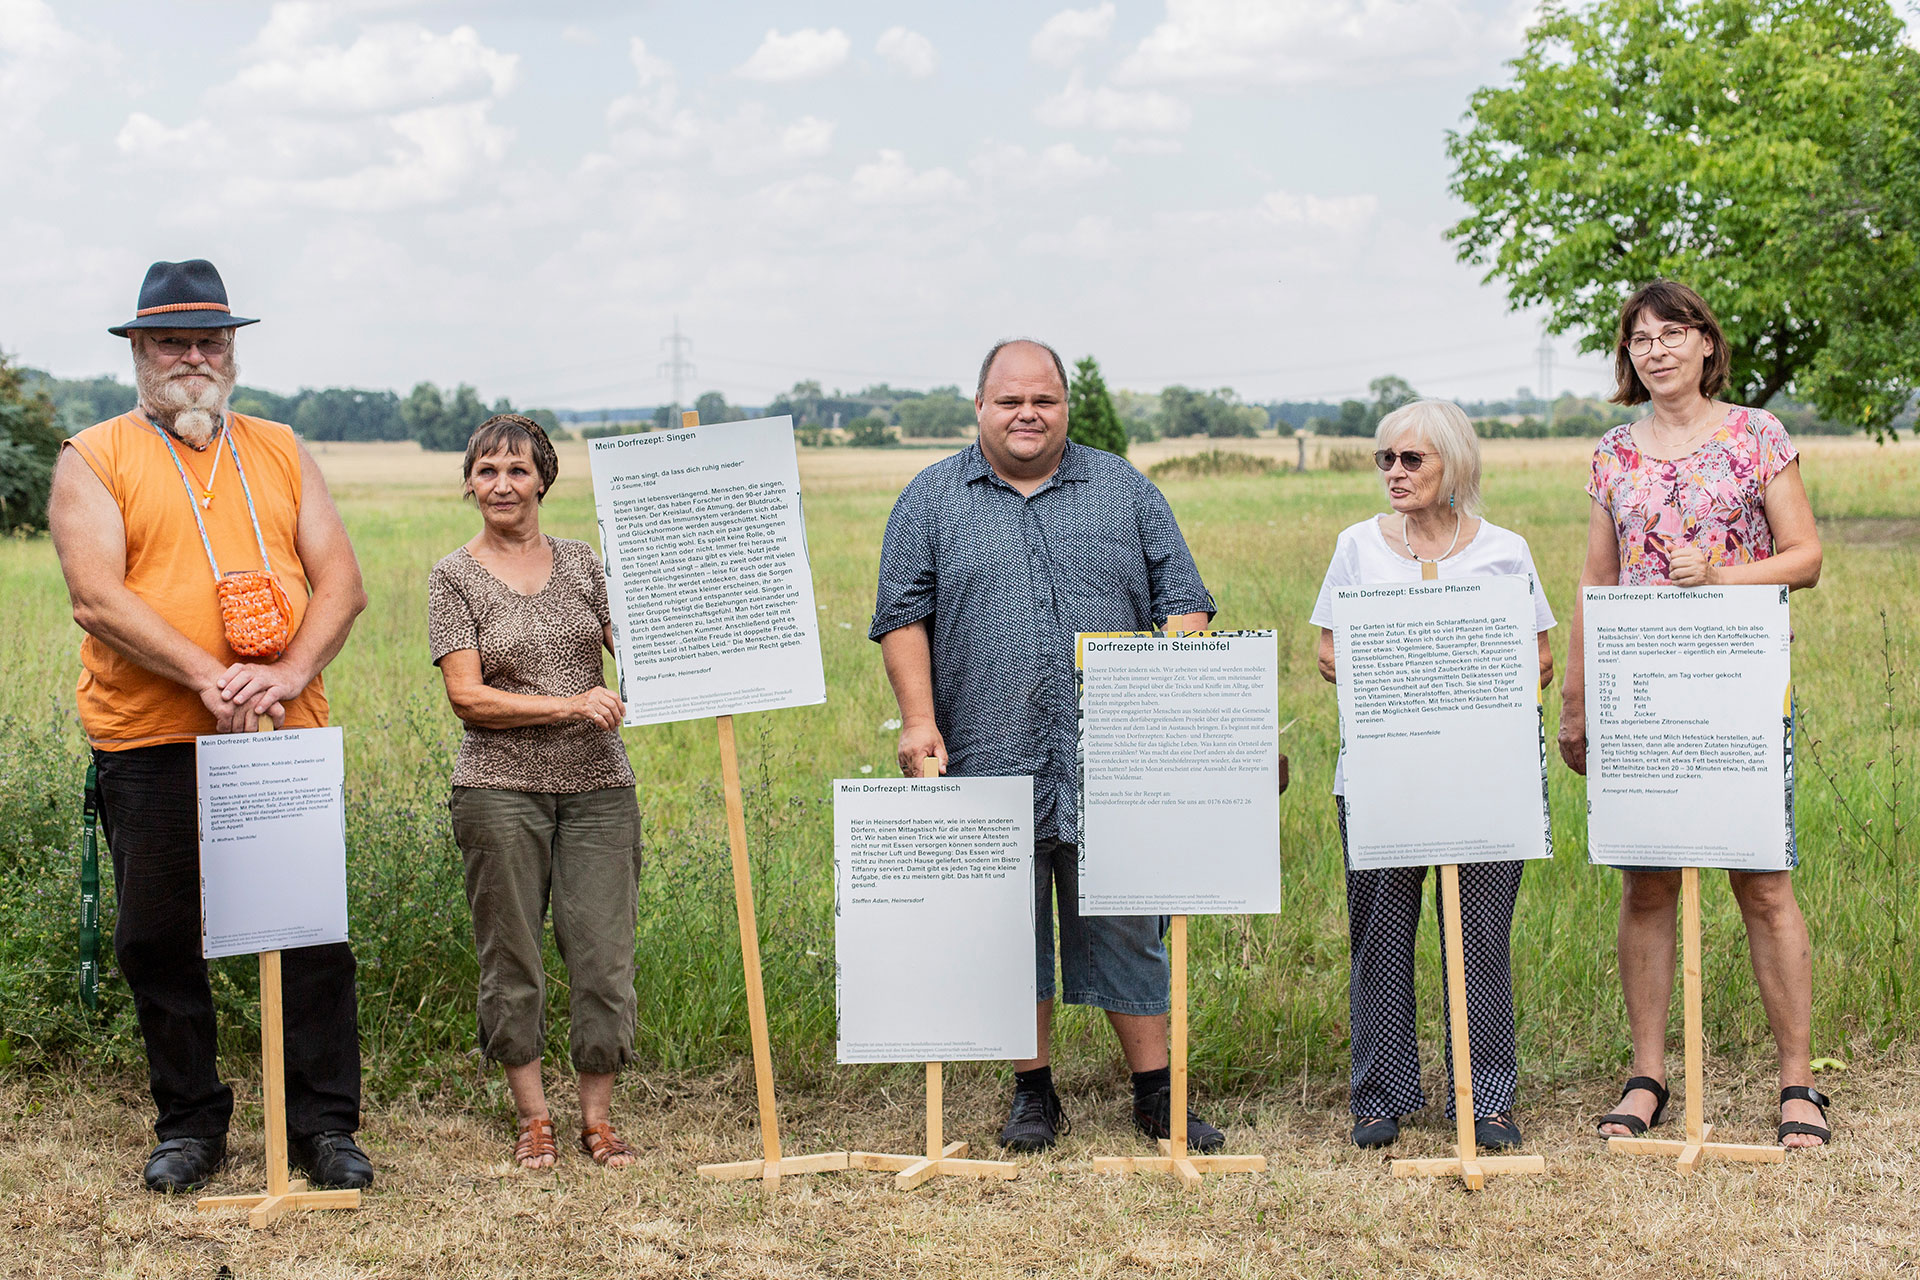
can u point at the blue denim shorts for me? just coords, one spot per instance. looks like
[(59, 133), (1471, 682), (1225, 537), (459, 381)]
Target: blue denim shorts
[(1117, 963)]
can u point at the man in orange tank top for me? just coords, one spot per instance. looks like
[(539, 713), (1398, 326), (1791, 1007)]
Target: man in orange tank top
[(149, 509)]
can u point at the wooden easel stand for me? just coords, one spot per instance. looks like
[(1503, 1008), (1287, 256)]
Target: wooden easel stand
[(1466, 1163), (772, 1165), (283, 1194), (1173, 1157), (1694, 1148), (941, 1158)]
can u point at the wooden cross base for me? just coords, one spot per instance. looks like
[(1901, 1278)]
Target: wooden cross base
[(264, 1210), (1692, 1153), (1186, 1168), (1174, 1157), (1473, 1171), (914, 1170), (283, 1195), (1465, 1164), (1692, 1150), (772, 1166), (774, 1170), (942, 1158)]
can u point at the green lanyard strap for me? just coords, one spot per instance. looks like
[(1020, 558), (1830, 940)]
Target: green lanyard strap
[(90, 893)]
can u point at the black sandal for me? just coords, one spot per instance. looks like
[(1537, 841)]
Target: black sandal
[(1805, 1093), (1631, 1123)]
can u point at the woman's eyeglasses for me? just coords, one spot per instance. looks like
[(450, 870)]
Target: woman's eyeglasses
[(1671, 336), (1411, 459)]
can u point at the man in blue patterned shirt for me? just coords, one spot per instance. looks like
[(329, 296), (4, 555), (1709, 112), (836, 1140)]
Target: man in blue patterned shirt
[(994, 559)]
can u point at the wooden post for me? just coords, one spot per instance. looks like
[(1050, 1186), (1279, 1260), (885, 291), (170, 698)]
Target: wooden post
[(1174, 1158), (283, 1194), (942, 1158), (1692, 1150), (772, 1165), (1466, 1161)]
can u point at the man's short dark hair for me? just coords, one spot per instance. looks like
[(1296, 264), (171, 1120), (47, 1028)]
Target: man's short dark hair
[(986, 366)]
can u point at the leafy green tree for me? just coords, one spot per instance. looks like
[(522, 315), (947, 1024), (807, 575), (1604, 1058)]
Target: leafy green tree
[(342, 413), (30, 439), (871, 432), (1389, 393), (713, 407), (1765, 152), (940, 414), (424, 412), (1091, 419), (1354, 420)]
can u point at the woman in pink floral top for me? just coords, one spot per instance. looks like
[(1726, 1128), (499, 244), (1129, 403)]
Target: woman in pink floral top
[(1700, 492)]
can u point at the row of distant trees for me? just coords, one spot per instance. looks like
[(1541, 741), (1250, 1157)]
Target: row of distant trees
[(438, 419)]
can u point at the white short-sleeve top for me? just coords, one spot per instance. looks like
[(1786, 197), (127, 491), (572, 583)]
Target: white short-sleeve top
[(1362, 557)]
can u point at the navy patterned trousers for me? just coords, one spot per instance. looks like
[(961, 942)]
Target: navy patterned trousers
[(1383, 917)]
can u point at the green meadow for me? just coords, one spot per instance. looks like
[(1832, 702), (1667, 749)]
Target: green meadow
[(1269, 992)]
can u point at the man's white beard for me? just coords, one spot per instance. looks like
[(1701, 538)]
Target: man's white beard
[(192, 411)]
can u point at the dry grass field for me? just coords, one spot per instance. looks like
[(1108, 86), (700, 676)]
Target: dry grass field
[(449, 1204)]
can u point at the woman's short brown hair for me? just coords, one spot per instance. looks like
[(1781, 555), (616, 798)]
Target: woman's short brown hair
[(515, 434), (1670, 300)]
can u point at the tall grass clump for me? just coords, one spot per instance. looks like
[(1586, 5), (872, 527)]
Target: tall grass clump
[(1210, 462)]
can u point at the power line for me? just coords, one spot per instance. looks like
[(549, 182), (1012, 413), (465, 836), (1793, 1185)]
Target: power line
[(676, 365)]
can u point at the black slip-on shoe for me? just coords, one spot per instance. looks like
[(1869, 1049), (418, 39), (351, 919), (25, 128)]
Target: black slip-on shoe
[(1151, 1114), (184, 1164), (1372, 1133), (332, 1161), (1035, 1122), (1496, 1132)]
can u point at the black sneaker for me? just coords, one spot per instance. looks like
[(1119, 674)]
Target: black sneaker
[(1035, 1122), (331, 1161), (184, 1164), (1376, 1132), (1150, 1118)]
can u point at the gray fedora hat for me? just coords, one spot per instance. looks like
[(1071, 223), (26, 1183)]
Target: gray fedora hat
[(182, 295)]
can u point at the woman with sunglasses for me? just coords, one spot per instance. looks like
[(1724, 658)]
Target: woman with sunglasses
[(1430, 460), (1698, 492)]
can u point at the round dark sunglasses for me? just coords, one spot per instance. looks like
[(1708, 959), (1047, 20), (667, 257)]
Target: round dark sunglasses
[(1411, 459)]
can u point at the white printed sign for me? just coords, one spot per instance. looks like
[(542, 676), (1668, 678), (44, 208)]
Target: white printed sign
[(1689, 727), (707, 575), (1441, 740), (1179, 773), (273, 840), (933, 918)]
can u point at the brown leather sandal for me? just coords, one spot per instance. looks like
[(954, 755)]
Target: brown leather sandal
[(603, 1144), (534, 1140)]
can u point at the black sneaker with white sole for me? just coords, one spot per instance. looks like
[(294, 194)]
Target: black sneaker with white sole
[(1035, 1122)]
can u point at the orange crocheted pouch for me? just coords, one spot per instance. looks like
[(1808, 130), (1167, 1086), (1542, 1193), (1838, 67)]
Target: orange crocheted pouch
[(256, 614)]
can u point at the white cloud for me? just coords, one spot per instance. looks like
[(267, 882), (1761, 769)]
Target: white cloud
[(651, 126), (1342, 214), (1093, 238), (890, 180), (1147, 147), (40, 58), (805, 55), (1238, 43), (1070, 33), (389, 67), (907, 52), (1061, 162), (1117, 110), (394, 116)]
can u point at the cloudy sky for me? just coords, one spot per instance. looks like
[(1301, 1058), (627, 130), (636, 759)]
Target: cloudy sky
[(1214, 192)]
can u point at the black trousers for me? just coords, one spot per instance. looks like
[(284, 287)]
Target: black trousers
[(147, 810), (1383, 917)]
